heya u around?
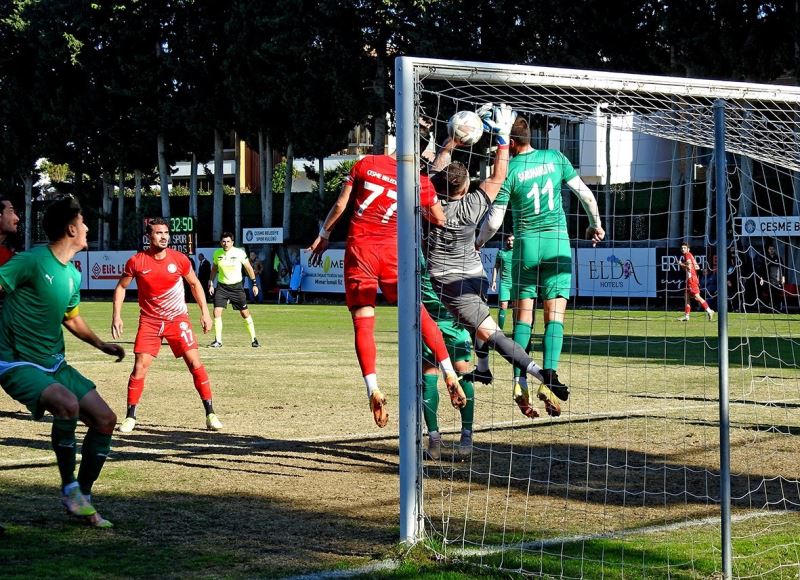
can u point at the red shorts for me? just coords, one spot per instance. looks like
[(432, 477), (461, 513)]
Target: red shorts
[(693, 287), (366, 268), (178, 333)]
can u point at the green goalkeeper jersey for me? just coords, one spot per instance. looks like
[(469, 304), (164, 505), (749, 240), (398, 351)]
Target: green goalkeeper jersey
[(532, 189), (40, 290), (229, 265)]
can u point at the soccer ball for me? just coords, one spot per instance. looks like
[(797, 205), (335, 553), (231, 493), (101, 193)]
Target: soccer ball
[(465, 127)]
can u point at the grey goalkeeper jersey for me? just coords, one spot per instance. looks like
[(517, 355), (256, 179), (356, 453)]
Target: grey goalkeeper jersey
[(450, 250)]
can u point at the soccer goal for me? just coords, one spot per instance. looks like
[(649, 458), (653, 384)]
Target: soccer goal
[(676, 454)]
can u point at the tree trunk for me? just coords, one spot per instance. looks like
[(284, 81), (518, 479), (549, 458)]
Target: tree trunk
[(379, 132), (745, 186), (287, 193), (265, 173), (193, 187), (27, 181), (105, 231), (218, 191), (163, 176), (609, 226), (120, 208), (237, 190), (137, 197)]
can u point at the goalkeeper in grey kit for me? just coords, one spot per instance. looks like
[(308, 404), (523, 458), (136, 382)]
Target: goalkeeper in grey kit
[(455, 266)]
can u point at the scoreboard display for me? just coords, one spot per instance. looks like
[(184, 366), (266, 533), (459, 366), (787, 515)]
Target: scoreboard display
[(182, 234)]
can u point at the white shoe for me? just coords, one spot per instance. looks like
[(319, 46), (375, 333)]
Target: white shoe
[(127, 425), (710, 314), (684, 318), (213, 423)]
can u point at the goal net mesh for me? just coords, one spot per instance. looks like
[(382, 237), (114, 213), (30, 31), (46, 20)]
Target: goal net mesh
[(626, 482)]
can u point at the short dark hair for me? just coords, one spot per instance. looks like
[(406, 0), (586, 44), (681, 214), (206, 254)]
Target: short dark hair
[(454, 177), (159, 221), (3, 200), (521, 131), (58, 216), (226, 235)]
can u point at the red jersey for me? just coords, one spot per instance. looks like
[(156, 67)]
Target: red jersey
[(160, 283), (6, 254), (374, 183), (691, 270)]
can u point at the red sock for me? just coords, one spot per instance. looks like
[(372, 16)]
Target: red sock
[(688, 309), (135, 388), (704, 304), (201, 382), (432, 336), (366, 351)]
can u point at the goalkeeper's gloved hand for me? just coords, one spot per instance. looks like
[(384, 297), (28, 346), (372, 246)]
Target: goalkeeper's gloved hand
[(497, 119)]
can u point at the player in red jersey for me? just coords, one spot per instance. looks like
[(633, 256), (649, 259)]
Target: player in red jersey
[(689, 264), (8, 226), (370, 262), (159, 273)]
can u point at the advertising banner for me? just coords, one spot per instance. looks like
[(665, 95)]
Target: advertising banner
[(623, 272), (103, 269), (771, 227)]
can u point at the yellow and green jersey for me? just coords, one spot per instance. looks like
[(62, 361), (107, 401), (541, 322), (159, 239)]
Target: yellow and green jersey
[(229, 265), (532, 190), (40, 291)]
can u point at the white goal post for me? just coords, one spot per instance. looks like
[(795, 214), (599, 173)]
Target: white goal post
[(756, 121)]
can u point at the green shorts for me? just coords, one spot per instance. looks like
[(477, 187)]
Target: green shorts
[(456, 339), (545, 266), (26, 384), (504, 290)]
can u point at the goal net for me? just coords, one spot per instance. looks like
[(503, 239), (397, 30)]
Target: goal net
[(631, 480)]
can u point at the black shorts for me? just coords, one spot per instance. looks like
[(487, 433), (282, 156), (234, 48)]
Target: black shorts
[(233, 293)]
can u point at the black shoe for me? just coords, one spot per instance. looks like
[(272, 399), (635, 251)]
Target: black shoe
[(478, 376), (559, 389), (255, 344), (215, 344)]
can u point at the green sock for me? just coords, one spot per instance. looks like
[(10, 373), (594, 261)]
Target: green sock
[(522, 335), (62, 437), (430, 401), (468, 412), (96, 447), (552, 343), (501, 317)]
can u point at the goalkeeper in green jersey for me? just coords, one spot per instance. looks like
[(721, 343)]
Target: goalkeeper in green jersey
[(42, 290), (542, 255)]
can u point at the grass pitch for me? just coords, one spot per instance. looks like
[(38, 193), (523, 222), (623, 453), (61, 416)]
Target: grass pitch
[(301, 480)]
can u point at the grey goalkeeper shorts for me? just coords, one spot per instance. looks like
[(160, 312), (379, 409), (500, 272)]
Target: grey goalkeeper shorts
[(465, 298)]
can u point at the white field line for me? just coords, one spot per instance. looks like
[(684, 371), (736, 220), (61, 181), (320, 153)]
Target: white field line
[(709, 521)]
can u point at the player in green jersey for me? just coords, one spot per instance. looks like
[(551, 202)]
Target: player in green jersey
[(459, 346), (542, 254), (502, 283), (43, 293)]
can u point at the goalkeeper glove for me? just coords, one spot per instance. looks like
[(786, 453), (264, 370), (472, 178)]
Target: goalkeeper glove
[(497, 119)]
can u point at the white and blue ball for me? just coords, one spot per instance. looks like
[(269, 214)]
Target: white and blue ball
[(465, 127)]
